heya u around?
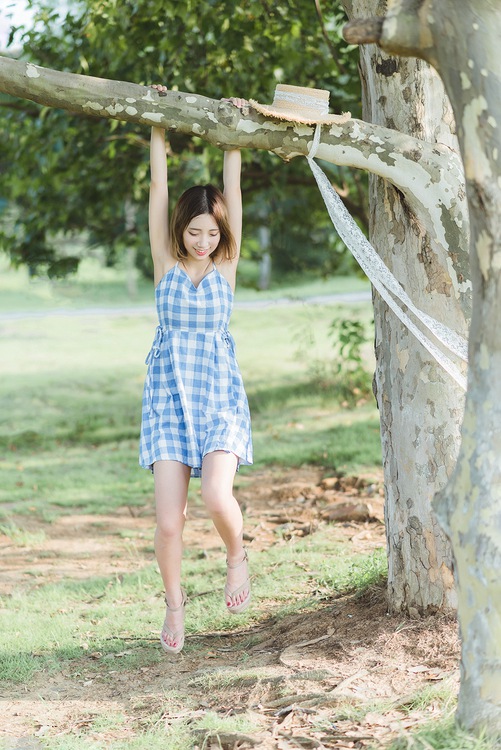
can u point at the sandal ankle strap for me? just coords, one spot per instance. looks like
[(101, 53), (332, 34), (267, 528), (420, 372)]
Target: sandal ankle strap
[(233, 567), (183, 602)]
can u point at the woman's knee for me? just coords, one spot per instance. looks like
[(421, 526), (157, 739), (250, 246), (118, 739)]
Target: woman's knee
[(171, 494), (215, 499), (170, 525)]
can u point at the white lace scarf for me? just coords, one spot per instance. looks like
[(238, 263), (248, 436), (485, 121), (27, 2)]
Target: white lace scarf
[(383, 280)]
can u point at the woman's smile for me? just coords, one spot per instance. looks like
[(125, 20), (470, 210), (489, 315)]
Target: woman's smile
[(201, 236)]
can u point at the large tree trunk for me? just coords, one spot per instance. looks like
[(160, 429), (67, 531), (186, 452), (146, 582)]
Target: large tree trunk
[(421, 409), (464, 48), (471, 508)]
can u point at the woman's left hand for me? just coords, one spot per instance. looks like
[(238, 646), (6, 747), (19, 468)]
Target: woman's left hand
[(242, 104), (160, 89)]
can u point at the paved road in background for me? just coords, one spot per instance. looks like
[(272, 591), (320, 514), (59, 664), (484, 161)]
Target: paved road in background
[(139, 310)]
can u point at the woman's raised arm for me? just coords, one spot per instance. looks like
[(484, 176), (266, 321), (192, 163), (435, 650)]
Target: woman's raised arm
[(233, 194), (159, 204)]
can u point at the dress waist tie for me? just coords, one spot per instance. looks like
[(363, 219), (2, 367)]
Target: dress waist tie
[(160, 331), (155, 347)]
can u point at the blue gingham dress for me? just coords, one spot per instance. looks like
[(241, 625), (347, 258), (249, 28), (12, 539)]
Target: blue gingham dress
[(193, 400)]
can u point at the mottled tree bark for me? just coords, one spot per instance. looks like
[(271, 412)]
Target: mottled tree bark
[(421, 409), (463, 45)]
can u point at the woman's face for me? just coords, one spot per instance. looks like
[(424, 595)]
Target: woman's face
[(201, 237)]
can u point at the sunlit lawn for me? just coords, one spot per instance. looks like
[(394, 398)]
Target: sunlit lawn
[(98, 286), (71, 388), (70, 396)]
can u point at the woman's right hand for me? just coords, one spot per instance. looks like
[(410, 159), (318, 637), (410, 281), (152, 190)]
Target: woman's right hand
[(162, 90)]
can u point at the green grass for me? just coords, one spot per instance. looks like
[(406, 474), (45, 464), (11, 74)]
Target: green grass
[(96, 286), (70, 397), (177, 736), (357, 573), (444, 735), (70, 394), (19, 536)]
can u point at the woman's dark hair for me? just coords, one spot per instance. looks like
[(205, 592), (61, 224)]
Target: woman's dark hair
[(197, 200)]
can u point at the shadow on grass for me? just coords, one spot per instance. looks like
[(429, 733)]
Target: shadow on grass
[(343, 447), (330, 391), (288, 624), (350, 625)]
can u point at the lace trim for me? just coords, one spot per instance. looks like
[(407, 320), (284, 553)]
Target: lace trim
[(384, 281)]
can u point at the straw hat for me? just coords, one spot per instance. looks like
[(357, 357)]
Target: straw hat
[(298, 104)]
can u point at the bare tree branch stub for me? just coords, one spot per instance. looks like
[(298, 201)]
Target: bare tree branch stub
[(363, 31)]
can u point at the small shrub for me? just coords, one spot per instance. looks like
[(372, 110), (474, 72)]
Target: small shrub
[(342, 371)]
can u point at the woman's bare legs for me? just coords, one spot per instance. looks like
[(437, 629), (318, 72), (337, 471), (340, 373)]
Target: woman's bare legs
[(171, 492), (218, 473)]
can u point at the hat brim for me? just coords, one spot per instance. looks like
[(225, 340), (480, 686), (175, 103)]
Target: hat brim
[(270, 111)]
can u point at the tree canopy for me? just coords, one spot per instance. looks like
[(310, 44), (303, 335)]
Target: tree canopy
[(70, 174)]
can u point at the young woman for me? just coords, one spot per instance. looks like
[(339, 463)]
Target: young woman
[(195, 419)]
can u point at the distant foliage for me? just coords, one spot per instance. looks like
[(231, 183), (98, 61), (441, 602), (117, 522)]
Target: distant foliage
[(349, 335), (66, 175), (341, 370)]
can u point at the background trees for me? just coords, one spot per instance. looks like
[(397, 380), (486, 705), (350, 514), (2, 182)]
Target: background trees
[(89, 170)]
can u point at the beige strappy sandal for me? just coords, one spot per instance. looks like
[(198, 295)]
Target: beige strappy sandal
[(236, 609), (176, 637)]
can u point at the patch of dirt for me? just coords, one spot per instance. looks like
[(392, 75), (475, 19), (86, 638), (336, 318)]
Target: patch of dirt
[(311, 677)]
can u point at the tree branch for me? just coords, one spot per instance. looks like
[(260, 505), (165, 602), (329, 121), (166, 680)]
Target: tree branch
[(328, 41), (405, 30), (363, 31), (430, 176)]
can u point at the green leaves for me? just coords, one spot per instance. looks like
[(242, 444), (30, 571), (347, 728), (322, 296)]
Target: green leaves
[(64, 173)]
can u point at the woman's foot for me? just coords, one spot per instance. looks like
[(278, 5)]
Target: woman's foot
[(237, 590), (172, 635)]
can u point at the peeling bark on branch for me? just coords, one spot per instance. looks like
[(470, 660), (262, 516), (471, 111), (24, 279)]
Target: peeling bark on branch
[(428, 175), (402, 31)]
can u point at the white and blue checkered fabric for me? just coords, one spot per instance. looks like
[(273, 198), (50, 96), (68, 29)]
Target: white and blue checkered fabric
[(193, 400)]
